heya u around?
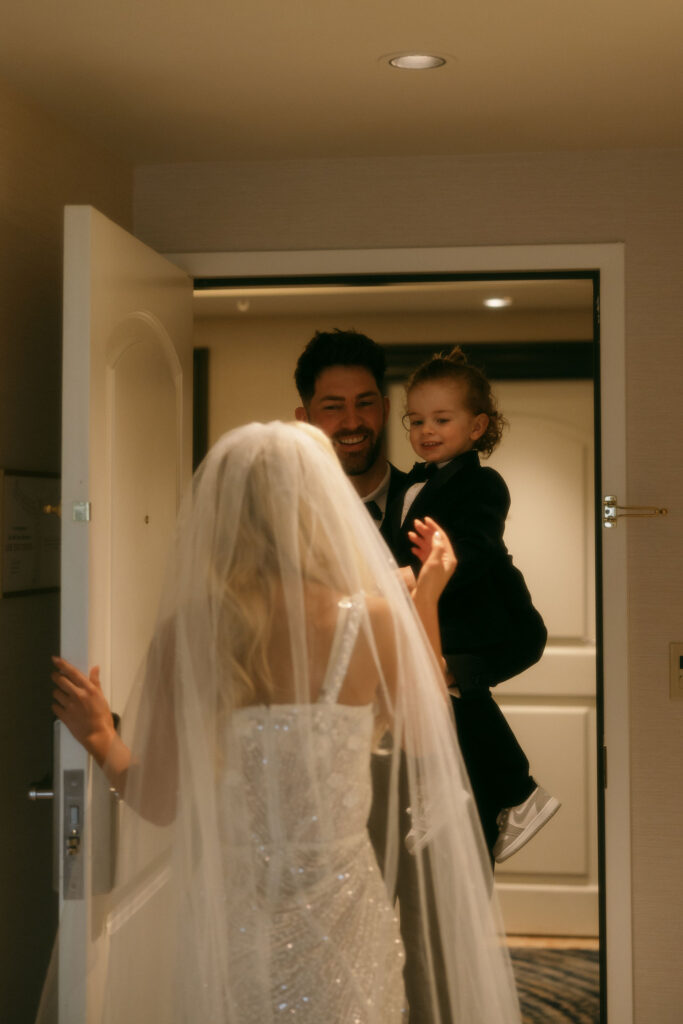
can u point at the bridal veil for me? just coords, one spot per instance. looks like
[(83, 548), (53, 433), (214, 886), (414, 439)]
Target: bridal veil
[(269, 540)]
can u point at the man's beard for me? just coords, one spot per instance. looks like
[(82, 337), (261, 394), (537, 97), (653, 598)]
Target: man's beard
[(355, 463)]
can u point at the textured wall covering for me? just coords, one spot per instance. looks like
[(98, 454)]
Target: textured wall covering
[(633, 197), (42, 167), (322, 204)]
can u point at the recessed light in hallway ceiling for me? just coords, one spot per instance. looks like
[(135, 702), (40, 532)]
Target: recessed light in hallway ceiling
[(416, 61)]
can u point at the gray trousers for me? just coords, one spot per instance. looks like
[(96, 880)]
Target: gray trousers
[(426, 989)]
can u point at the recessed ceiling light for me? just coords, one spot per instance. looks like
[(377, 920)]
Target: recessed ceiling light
[(417, 61), (499, 302)]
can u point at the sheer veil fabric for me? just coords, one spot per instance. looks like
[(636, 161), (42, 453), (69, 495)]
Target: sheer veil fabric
[(287, 656)]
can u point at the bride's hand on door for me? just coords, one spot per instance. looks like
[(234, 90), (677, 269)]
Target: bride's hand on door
[(79, 703)]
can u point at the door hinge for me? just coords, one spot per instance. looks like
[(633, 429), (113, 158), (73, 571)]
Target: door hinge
[(81, 511)]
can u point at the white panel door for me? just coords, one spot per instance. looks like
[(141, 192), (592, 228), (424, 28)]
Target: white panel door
[(546, 458), (551, 886), (126, 456)]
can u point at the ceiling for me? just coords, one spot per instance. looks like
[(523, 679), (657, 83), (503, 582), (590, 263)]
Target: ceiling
[(165, 81)]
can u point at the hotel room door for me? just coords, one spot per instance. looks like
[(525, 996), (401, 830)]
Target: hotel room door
[(551, 886), (126, 455)]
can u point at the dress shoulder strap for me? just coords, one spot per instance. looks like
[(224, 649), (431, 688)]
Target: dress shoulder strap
[(346, 631)]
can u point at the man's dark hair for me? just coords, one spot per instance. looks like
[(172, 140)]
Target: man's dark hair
[(337, 348)]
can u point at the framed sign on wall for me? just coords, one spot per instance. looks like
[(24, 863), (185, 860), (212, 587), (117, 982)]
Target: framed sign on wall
[(29, 532)]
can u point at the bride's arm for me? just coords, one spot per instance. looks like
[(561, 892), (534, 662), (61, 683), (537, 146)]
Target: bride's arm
[(78, 701), (433, 548), (150, 788)]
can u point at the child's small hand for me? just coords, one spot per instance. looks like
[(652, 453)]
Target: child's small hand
[(432, 546)]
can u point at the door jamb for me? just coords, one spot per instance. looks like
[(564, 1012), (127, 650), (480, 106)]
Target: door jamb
[(608, 260)]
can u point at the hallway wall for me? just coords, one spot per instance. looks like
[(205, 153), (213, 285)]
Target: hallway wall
[(42, 167), (240, 346), (633, 197)]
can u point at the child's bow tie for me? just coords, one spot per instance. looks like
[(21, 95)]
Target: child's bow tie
[(422, 471)]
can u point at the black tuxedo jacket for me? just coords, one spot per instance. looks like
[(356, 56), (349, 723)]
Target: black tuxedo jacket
[(397, 487), (490, 630)]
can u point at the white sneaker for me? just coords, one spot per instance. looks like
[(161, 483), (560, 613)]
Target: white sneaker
[(519, 824)]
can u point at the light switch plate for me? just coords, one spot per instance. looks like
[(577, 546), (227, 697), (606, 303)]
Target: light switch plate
[(676, 671)]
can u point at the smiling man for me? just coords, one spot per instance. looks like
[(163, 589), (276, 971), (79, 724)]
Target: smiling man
[(340, 380)]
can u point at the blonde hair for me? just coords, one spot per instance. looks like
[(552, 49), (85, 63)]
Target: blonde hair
[(272, 551)]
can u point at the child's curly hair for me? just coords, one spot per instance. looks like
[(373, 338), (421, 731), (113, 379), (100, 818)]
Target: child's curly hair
[(478, 397)]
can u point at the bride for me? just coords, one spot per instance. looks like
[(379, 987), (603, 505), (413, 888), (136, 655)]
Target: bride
[(287, 655)]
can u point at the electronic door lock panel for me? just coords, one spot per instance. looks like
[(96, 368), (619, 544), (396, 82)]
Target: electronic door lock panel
[(72, 834), (73, 843)]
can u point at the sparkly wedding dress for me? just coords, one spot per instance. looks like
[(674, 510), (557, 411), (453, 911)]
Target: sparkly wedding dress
[(246, 889), (328, 939)]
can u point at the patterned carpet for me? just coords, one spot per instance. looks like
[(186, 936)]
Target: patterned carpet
[(557, 986)]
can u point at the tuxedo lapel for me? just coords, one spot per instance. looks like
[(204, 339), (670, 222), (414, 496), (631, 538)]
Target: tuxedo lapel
[(468, 460), (428, 497), (397, 482)]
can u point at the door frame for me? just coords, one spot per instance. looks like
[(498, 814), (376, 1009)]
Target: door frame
[(608, 260)]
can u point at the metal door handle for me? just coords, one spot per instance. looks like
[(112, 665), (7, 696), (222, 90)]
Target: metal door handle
[(40, 791)]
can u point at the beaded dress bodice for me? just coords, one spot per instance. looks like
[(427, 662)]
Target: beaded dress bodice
[(282, 813), (298, 785)]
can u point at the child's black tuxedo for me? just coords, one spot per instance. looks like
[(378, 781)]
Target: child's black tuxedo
[(490, 630), (397, 486)]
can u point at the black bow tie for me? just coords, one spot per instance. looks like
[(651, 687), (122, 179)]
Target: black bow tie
[(374, 510), (422, 471)]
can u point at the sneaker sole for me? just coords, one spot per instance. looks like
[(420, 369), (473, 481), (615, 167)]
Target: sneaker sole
[(543, 816)]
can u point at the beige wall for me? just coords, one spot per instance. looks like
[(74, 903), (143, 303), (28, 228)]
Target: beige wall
[(514, 199), (42, 167), (252, 358)]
